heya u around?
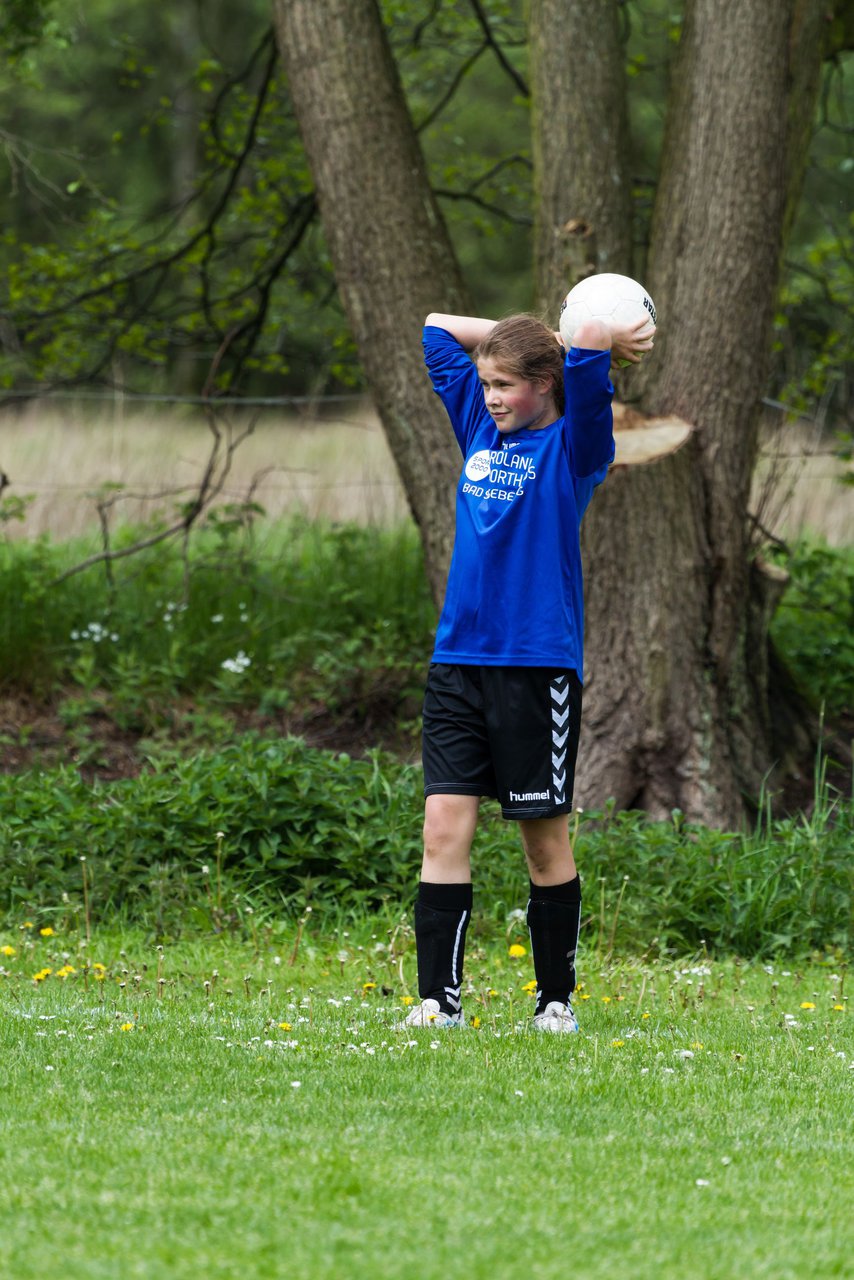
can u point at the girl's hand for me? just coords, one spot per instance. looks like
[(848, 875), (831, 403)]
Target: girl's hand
[(630, 342)]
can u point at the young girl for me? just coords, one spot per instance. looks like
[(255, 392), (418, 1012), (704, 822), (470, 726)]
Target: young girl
[(502, 706)]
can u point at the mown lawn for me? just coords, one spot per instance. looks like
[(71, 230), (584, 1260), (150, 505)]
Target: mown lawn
[(213, 1109)]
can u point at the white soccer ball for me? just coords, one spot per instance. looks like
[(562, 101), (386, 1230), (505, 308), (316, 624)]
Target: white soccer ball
[(606, 297)]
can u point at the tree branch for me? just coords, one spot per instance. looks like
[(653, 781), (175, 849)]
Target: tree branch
[(497, 50), (468, 197), (446, 97)]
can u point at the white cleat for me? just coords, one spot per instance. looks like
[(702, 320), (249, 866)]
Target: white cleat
[(430, 1014), (556, 1017)]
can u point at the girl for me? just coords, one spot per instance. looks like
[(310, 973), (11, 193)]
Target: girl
[(502, 705)]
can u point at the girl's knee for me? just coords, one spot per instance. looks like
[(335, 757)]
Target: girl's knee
[(449, 823)]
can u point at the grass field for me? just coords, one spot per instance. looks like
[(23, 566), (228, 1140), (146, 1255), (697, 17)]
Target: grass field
[(226, 1108), (336, 467), (335, 464)]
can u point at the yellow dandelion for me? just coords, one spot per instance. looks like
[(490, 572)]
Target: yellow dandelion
[(606, 999), (369, 986), (585, 995), (475, 1022), (407, 1000), (285, 1026), (46, 932), (807, 1004), (530, 987), (516, 951), (99, 975), (840, 1008), (617, 1044), (646, 1015), (126, 1026), (7, 951), (492, 992), (102, 968), (28, 924)]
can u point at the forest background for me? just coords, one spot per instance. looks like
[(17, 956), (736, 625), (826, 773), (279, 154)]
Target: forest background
[(154, 159)]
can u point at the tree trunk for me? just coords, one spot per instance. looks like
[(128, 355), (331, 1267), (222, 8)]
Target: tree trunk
[(680, 702), (580, 145), (387, 239)]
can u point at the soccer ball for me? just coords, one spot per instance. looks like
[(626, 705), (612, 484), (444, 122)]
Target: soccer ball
[(604, 297)]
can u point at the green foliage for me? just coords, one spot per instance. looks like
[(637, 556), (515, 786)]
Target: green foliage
[(243, 615), (162, 210), (303, 826), (813, 627), (23, 23), (271, 618), (258, 615), (814, 338), (120, 261)]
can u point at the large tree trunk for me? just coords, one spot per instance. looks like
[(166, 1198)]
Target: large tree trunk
[(679, 701), (387, 239), (582, 213)]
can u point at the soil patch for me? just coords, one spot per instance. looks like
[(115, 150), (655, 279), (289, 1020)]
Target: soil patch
[(40, 734)]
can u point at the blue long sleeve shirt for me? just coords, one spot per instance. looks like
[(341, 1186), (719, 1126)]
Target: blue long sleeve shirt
[(515, 594)]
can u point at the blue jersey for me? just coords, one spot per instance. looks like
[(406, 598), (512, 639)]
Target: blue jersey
[(514, 595)]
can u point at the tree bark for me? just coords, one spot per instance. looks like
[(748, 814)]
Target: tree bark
[(582, 218), (392, 256), (681, 706)]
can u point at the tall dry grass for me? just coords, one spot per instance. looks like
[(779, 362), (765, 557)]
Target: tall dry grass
[(338, 467), (335, 464)]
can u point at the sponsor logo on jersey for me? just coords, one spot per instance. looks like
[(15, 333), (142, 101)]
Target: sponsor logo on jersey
[(478, 465), (494, 473)]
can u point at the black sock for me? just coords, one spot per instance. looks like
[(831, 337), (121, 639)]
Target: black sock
[(442, 914), (554, 917)]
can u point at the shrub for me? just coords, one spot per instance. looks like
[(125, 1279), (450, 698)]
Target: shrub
[(814, 624), (288, 612), (302, 826)]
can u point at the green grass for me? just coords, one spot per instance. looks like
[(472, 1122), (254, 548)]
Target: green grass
[(700, 1124)]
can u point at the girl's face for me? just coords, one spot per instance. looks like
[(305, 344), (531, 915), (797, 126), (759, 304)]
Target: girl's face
[(513, 403)]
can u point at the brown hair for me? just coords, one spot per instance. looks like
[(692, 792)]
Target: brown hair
[(526, 347)]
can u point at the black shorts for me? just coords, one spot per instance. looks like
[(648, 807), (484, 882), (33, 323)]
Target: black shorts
[(507, 732)]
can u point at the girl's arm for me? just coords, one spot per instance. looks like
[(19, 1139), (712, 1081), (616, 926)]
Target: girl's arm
[(469, 331)]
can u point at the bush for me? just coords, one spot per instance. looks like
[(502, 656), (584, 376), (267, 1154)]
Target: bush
[(270, 616), (302, 826), (814, 624)]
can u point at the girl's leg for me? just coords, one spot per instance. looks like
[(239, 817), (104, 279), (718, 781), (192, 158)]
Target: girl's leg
[(547, 849), (443, 906), (554, 908), (449, 827)]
